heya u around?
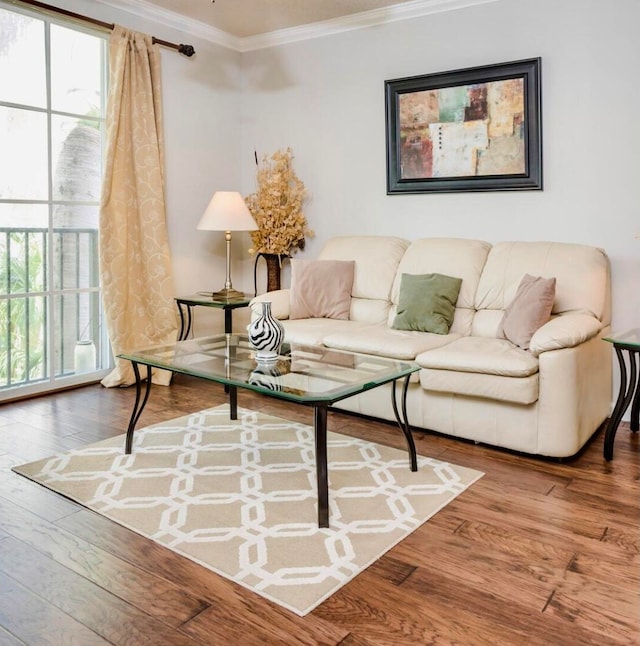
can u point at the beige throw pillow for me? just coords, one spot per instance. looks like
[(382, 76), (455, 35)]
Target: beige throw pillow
[(321, 288), (529, 310)]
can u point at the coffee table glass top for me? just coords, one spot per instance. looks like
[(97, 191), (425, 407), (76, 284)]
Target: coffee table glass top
[(302, 373), (629, 339)]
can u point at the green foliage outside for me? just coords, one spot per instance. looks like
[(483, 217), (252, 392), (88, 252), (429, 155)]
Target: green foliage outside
[(22, 272)]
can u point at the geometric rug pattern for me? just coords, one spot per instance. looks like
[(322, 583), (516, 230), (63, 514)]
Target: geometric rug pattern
[(239, 497)]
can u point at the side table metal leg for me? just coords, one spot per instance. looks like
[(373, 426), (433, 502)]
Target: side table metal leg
[(635, 406), (138, 406), (403, 422), (187, 330), (320, 425), (181, 335), (228, 320), (625, 394)]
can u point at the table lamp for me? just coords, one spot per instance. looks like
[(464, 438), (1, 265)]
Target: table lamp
[(227, 212)]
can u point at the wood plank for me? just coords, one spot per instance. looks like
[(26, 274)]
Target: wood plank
[(485, 568), (28, 443), (31, 620), (431, 609), (150, 593), (509, 619), (626, 539), (89, 604), (34, 497), (7, 639), (604, 609)]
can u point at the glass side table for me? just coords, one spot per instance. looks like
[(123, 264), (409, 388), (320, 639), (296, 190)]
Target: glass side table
[(187, 303), (627, 348)]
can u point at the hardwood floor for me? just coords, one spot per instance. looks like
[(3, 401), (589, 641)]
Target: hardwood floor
[(535, 552)]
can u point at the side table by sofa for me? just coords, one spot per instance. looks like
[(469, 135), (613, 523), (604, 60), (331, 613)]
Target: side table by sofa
[(187, 303), (626, 343)]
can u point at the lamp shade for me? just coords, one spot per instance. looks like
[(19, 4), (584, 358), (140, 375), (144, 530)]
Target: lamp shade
[(227, 211)]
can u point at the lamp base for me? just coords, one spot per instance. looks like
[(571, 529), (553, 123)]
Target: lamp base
[(227, 294)]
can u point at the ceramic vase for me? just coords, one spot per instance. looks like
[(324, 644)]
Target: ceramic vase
[(266, 334), (84, 357), (266, 373)]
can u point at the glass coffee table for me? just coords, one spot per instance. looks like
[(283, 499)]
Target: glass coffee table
[(309, 375)]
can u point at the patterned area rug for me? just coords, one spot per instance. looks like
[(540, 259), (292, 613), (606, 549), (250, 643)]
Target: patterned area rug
[(239, 497)]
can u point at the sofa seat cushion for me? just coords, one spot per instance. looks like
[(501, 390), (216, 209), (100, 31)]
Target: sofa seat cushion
[(516, 390), (481, 355), (313, 331), (481, 367), (383, 341)]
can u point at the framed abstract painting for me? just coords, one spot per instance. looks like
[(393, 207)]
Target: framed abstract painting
[(476, 129)]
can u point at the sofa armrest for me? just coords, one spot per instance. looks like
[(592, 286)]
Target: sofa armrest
[(279, 303), (565, 331)]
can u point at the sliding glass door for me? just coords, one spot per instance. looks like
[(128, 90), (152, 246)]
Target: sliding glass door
[(52, 103)]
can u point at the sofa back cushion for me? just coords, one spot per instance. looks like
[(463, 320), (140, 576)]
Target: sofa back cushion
[(456, 257), (376, 264), (582, 273)]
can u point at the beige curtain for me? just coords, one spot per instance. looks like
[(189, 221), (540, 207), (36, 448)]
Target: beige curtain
[(135, 264)]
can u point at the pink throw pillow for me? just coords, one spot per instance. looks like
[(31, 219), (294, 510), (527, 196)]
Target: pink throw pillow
[(529, 310), (321, 288)]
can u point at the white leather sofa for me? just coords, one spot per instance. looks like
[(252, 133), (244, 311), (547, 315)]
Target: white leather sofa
[(547, 400)]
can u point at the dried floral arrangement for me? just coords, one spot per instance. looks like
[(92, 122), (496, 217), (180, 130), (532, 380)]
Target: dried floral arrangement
[(276, 207)]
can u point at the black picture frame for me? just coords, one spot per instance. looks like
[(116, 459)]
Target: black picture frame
[(468, 105)]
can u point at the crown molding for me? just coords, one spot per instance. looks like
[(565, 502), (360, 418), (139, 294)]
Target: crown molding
[(384, 15), (149, 11), (376, 17)]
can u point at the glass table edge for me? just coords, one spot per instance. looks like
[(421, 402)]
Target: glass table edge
[(208, 301), (409, 367), (629, 339)]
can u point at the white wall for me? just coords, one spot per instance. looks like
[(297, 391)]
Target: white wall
[(325, 99)]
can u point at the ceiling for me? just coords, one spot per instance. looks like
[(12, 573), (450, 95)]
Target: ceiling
[(245, 18)]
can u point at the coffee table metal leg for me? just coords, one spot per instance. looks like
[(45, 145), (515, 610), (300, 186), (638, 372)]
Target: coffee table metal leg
[(403, 422), (233, 402), (138, 406), (320, 424)]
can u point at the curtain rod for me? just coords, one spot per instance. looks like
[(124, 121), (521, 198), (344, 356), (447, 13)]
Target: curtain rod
[(187, 50)]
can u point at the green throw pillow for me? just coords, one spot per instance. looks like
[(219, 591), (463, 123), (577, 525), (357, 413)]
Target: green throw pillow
[(427, 302)]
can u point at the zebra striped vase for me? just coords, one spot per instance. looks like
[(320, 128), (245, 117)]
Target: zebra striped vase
[(266, 334)]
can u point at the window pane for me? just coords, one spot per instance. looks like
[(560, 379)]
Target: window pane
[(75, 216), (77, 318), (75, 71), (23, 236), (23, 154), (75, 246), (24, 216), (75, 259), (76, 154), (22, 258), (22, 62), (22, 355)]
